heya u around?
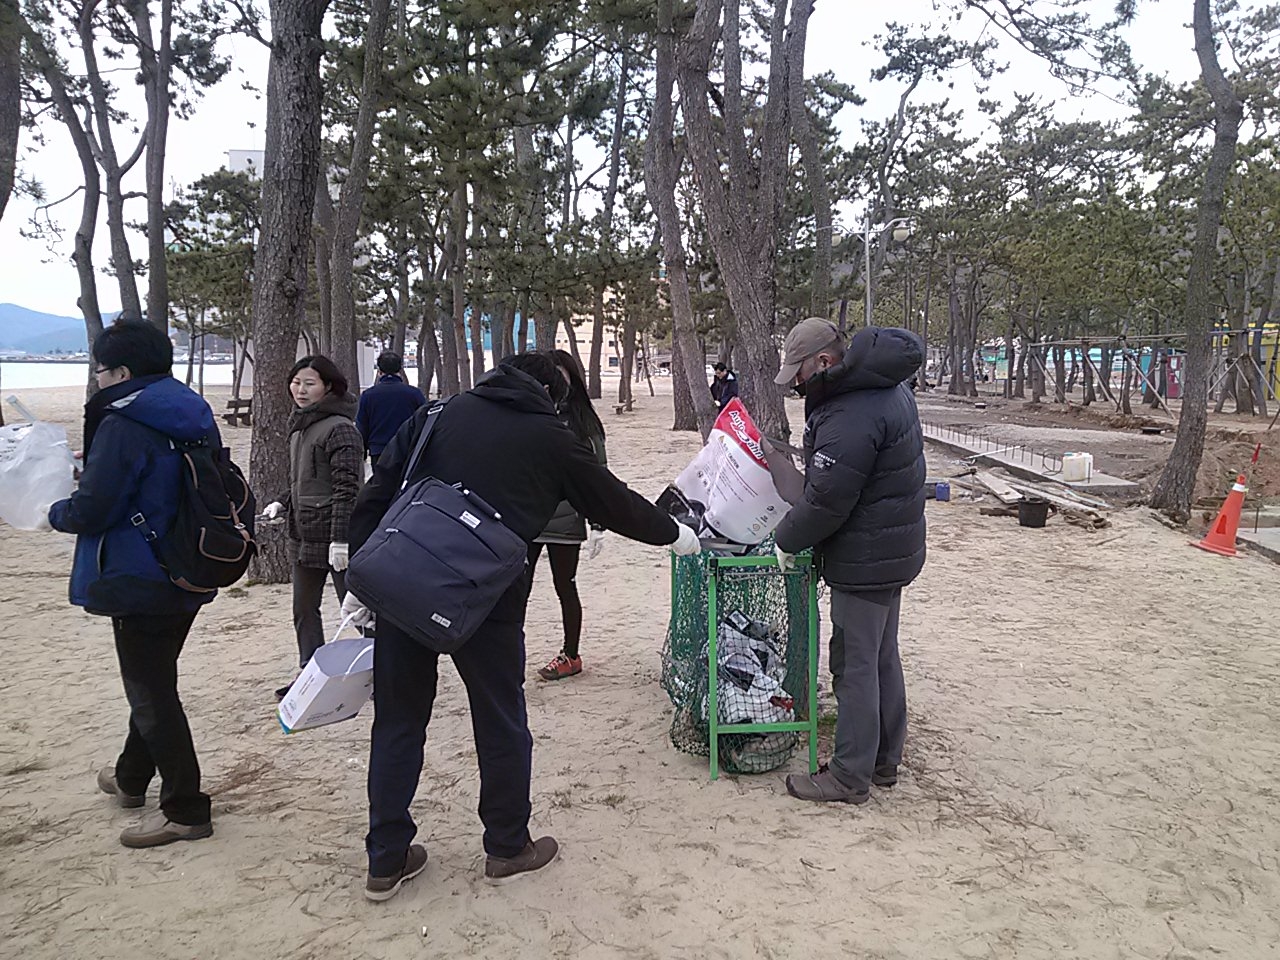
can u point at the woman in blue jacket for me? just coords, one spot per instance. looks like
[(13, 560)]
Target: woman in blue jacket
[(131, 468)]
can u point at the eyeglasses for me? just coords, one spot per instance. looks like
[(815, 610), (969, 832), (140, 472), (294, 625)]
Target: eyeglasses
[(98, 371)]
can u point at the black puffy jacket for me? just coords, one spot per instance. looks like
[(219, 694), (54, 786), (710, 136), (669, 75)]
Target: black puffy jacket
[(863, 506)]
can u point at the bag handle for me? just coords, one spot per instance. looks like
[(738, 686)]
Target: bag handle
[(433, 415), (356, 659), (342, 626)]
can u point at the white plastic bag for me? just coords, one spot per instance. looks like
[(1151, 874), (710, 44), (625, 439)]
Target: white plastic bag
[(35, 471)]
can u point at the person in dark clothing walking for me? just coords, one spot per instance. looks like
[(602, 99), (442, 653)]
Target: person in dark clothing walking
[(325, 463), (132, 468), (386, 405), (504, 441), (863, 512), (567, 531), (724, 385)]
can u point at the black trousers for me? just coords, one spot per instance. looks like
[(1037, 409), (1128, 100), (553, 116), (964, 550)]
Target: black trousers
[(159, 736), (491, 665), (308, 591), (564, 574)]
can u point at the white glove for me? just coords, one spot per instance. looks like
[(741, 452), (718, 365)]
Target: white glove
[(338, 556), (273, 510), (686, 542), (353, 608), (43, 525), (595, 540), (786, 561)]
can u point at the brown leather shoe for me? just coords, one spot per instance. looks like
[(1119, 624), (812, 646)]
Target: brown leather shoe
[(535, 855), (384, 888), (107, 784), (155, 830), (823, 787)]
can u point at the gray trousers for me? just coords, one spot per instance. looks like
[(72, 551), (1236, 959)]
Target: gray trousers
[(308, 591), (866, 672)]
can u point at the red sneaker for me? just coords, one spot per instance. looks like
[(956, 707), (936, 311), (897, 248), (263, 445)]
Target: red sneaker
[(561, 667)]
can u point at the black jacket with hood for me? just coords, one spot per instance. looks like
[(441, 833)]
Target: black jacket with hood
[(504, 440), (863, 506)]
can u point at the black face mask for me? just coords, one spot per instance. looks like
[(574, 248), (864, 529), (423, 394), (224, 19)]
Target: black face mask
[(799, 389)]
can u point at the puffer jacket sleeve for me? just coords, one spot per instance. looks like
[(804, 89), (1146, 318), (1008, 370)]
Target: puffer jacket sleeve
[(107, 485), (843, 459), (345, 451)]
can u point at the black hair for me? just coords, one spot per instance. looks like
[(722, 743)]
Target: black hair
[(543, 369), (577, 407), (390, 363), (143, 348), (719, 366), (329, 373)]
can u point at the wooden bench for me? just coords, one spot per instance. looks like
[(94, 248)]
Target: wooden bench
[(239, 411)]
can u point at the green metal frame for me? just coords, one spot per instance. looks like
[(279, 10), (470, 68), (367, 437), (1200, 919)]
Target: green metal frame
[(757, 566)]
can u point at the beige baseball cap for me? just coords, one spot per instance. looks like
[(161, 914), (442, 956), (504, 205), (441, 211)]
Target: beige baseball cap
[(808, 337)]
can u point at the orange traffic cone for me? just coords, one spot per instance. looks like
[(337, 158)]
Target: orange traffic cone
[(1221, 537)]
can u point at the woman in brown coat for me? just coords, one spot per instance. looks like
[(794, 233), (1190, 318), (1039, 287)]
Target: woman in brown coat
[(326, 456)]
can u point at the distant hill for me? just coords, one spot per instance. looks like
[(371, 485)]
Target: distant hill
[(34, 332)]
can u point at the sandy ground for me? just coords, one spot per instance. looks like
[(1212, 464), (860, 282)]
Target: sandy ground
[(1091, 772)]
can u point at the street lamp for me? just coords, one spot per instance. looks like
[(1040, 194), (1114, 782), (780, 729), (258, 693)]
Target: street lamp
[(901, 227)]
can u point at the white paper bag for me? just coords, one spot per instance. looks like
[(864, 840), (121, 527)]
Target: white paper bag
[(332, 687), (35, 471)]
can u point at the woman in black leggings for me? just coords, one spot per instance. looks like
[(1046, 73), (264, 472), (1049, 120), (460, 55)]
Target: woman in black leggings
[(567, 531)]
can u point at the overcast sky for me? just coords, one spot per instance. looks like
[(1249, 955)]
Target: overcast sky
[(230, 118)]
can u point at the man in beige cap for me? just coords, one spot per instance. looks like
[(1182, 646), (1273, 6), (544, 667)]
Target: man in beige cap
[(863, 513)]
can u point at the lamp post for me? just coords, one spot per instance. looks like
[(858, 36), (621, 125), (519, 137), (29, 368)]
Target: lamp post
[(901, 227)]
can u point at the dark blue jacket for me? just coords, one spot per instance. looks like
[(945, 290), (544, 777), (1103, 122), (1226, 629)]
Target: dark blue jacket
[(132, 467), (863, 506), (384, 408)]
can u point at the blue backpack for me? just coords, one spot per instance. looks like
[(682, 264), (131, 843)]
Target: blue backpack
[(440, 559)]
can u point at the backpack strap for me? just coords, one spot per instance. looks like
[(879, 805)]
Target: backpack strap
[(433, 415)]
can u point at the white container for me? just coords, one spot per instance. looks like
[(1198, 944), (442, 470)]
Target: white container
[(1077, 467)]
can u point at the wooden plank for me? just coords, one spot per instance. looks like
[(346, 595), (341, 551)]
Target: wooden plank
[(1057, 500), (1003, 491)]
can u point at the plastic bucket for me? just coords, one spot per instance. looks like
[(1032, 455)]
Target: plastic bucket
[(942, 492), (1032, 512)]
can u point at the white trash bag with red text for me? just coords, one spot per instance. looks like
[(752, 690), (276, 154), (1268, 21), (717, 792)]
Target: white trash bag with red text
[(36, 469)]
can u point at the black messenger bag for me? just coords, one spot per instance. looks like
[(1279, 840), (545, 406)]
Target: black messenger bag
[(439, 561)]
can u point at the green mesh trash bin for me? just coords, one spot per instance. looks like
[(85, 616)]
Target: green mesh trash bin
[(740, 660)]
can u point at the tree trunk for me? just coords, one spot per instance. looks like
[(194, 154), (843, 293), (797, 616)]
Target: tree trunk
[(627, 368), (157, 66), (457, 243), (815, 174), (479, 304), (428, 350), (606, 221), (1175, 490), (113, 169), (597, 342), (351, 196), (741, 197), (280, 265), (661, 171), (686, 415), (10, 97), (322, 233)]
